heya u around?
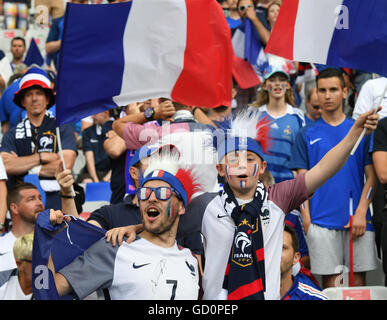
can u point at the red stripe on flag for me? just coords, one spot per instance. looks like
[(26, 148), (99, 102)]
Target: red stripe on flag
[(160, 173), (246, 290), (206, 78), (244, 73), (227, 270), (260, 254), (282, 37)]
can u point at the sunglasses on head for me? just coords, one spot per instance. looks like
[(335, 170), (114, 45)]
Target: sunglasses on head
[(162, 193), (243, 8)]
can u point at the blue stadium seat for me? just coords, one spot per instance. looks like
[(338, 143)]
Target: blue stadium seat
[(98, 191)]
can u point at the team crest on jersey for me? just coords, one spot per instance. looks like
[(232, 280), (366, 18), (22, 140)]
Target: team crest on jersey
[(241, 254), (47, 142), (287, 132)]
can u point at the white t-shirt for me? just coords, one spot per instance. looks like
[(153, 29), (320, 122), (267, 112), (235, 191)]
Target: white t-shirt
[(369, 97), (7, 260), (218, 232), (11, 290), (139, 270), (3, 173)]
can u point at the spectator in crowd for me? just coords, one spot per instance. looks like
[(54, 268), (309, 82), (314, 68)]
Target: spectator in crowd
[(379, 156), (127, 212), (54, 38), (369, 96), (298, 287), (10, 113), (3, 195), (97, 161), (24, 203), (276, 102), (31, 147), (272, 13), (182, 118), (327, 231), (120, 158), (18, 49), (247, 10), (243, 197), (262, 9), (16, 284), (15, 14), (313, 110), (163, 195), (233, 18)]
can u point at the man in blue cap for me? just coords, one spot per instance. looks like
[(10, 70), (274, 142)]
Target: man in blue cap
[(32, 146)]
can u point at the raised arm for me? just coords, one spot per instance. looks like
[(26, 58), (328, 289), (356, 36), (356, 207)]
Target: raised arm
[(333, 161)]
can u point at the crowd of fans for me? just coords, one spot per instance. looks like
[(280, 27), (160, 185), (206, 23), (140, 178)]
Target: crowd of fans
[(309, 109)]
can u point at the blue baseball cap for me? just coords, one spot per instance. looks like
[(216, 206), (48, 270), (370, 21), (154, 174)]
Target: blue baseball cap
[(141, 153)]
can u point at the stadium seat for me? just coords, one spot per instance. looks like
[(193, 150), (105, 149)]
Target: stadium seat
[(98, 191), (356, 293)]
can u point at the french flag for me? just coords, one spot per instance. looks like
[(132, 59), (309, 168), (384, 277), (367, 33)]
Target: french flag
[(115, 54), (340, 33)]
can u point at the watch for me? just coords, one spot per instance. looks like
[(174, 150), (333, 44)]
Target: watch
[(149, 113)]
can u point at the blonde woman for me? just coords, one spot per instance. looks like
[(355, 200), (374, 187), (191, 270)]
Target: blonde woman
[(276, 101)]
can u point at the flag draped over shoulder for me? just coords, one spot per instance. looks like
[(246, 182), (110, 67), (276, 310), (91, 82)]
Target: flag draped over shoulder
[(115, 54), (64, 246), (340, 33), (33, 55)]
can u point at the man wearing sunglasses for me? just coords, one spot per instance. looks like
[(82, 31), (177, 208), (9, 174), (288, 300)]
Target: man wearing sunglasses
[(313, 109), (153, 266)]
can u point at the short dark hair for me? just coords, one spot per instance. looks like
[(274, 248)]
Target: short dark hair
[(13, 195), (18, 38), (293, 233), (331, 73)]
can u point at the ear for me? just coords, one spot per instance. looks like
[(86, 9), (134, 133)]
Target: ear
[(221, 169), (345, 92), (13, 207), (181, 209), (133, 172), (297, 257)]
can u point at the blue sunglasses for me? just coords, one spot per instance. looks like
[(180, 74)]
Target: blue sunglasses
[(162, 193)]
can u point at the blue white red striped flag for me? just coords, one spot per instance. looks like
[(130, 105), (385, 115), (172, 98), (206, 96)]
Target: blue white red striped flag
[(340, 33), (115, 54)]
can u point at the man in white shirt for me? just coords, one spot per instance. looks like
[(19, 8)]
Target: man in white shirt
[(152, 266), (24, 203)]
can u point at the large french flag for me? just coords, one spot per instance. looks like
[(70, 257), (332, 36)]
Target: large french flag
[(115, 54), (341, 33)]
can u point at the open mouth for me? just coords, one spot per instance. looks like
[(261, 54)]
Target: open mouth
[(242, 176), (152, 212)]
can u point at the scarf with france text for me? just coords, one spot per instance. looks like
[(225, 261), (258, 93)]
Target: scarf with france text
[(245, 273)]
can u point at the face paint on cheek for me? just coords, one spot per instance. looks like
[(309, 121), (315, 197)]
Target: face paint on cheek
[(269, 88), (227, 172), (255, 171)]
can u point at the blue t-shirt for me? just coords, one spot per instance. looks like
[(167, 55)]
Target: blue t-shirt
[(9, 111), (329, 206), (304, 289), (283, 131)]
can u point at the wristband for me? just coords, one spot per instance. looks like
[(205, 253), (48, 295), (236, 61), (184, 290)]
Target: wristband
[(66, 196)]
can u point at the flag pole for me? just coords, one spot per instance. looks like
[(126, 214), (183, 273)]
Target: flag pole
[(61, 156), (364, 130), (350, 241)]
